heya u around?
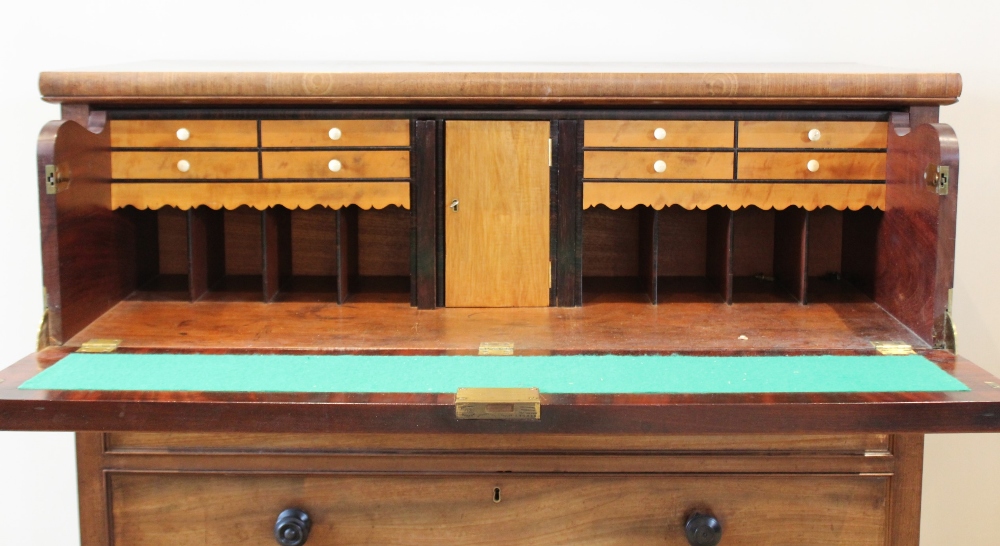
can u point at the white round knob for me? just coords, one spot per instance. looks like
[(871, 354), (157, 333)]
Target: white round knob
[(183, 166), (813, 165), (334, 165), (335, 134), (814, 134), (183, 134), (660, 133), (660, 166)]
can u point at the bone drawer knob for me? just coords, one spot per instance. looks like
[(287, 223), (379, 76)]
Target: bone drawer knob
[(814, 135), (335, 134), (334, 165), (183, 166), (812, 165), (660, 133), (660, 166), (183, 134)]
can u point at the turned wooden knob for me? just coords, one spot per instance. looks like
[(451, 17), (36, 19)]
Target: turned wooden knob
[(183, 134), (660, 133), (814, 135), (812, 165), (292, 527), (183, 166), (334, 165), (703, 530), (335, 134), (660, 166)]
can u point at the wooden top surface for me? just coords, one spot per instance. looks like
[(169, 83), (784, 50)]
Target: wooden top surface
[(514, 84)]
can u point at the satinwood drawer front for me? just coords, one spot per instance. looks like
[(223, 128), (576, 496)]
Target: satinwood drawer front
[(584, 509), (183, 165), (811, 166), (658, 134), (813, 134), (658, 165), (337, 164), (127, 133), (334, 133)]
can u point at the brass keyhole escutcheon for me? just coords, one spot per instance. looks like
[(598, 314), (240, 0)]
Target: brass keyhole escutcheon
[(496, 494), (454, 205)]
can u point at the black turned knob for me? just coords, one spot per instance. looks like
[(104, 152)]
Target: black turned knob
[(703, 530), (292, 527)]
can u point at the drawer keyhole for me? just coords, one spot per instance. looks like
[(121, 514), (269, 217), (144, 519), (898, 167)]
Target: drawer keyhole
[(496, 494)]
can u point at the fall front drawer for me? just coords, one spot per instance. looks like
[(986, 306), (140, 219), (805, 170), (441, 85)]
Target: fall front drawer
[(152, 509)]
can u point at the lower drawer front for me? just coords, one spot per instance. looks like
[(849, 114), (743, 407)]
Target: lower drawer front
[(178, 509)]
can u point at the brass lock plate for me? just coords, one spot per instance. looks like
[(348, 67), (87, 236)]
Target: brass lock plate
[(520, 404)]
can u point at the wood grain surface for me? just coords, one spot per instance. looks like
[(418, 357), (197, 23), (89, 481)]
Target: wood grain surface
[(316, 133), (793, 166), (204, 133), (795, 134), (497, 242), (260, 195), (155, 509), (581, 87), (354, 164), (680, 165), (164, 165), (640, 133), (734, 196)]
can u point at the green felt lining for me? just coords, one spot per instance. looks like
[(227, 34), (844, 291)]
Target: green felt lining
[(445, 374)]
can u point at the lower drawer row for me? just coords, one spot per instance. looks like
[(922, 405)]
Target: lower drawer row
[(153, 509)]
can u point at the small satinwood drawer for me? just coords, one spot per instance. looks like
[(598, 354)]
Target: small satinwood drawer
[(658, 134), (161, 509), (813, 134), (184, 165), (811, 166), (144, 133), (337, 164), (334, 133), (658, 165)]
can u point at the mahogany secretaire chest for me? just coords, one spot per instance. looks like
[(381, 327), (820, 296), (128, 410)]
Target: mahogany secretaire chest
[(498, 305)]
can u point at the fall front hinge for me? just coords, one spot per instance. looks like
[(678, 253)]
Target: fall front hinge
[(937, 178)]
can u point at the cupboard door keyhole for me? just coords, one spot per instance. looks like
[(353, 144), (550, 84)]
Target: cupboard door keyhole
[(496, 494)]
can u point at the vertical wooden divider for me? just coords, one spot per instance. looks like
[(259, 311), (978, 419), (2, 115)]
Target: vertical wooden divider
[(276, 250), (206, 250), (719, 252), (649, 243), (347, 252), (791, 251), (423, 201), (569, 203)]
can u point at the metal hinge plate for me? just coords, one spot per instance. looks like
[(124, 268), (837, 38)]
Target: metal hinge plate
[(53, 182), (99, 346), (522, 404), (937, 177), (893, 348)]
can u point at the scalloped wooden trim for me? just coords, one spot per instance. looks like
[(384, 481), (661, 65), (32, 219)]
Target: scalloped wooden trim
[(734, 196), (260, 195)]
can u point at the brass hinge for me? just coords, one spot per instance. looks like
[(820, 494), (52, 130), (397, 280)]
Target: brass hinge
[(496, 348), (99, 346), (53, 181), (893, 348), (937, 177), (522, 404)]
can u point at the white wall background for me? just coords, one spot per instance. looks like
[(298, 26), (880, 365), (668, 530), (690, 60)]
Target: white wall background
[(961, 504)]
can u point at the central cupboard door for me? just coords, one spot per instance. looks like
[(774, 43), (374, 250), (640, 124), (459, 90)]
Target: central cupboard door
[(497, 214)]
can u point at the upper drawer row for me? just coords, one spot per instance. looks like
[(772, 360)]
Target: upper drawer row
[(724, 134), (273, 133)]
